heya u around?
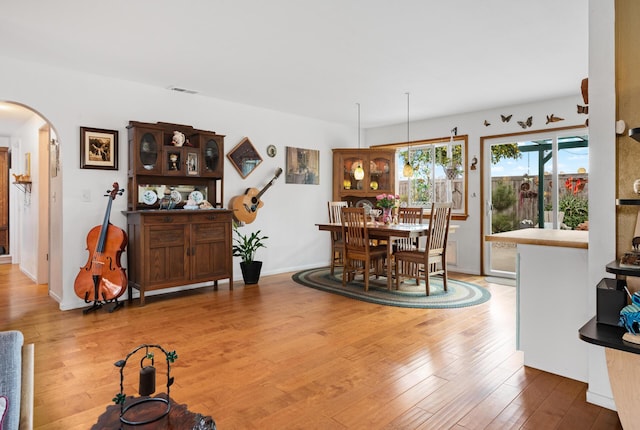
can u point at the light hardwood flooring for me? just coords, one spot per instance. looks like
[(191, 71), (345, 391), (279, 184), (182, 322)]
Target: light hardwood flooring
[(283, 356)]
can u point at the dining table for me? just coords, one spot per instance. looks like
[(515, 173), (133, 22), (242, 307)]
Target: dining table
[(389, 233)]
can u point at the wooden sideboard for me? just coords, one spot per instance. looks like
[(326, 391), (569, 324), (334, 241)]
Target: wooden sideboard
[(170, 248)]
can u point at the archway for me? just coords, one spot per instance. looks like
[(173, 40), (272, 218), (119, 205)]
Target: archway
[(29, 136)]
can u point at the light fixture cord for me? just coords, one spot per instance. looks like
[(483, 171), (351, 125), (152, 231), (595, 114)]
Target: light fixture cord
[(358, 125), (408, 148)]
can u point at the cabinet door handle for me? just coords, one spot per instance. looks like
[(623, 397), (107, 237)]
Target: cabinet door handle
[(168, 219), (211, 217), (188, 252)]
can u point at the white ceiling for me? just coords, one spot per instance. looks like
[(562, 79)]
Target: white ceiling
[(318, 58)]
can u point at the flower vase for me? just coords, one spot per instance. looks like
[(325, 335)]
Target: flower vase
[(387, 215)]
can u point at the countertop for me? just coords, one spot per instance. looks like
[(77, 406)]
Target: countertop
[(543, 236)]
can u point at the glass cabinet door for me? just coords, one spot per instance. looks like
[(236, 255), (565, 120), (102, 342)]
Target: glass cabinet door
[(212, 165), (149, 152), (351, 178), (175, 161), (380, 175)]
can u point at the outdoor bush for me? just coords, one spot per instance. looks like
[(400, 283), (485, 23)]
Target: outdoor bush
[(503, 197), (503, 222), (576, 209)]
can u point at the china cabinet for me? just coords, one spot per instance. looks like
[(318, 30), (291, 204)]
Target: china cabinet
[(173, 241), (379, 174), (156, 164)]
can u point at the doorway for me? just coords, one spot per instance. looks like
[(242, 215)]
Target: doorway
[(27, 136), (532, 180)]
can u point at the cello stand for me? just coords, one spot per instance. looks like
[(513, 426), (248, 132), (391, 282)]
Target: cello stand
[(97, 304)]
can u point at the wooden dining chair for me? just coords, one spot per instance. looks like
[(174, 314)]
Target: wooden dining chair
[(337, 243), (408, 215), (360, 255), (433, 259)]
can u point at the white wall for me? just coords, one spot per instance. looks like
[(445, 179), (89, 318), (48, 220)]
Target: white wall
[(472, 124), (602, 175)]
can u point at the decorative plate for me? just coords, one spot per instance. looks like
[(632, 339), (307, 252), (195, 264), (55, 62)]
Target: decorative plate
[(196, 196), (149, 197), (364, 204), (271, 151), (176, 197)]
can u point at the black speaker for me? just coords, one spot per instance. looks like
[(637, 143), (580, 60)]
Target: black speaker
[(610, 299)]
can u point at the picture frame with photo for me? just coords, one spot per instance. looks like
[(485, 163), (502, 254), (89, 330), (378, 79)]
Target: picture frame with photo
[(98, 148)]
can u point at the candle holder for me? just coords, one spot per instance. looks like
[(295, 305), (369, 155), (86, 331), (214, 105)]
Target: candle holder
[(147, 384)]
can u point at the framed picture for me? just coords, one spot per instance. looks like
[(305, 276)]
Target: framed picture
[(192, 163), (303, 166), (98, 148), (244, 157)]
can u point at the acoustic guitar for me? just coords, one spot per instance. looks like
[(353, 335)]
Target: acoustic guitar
[(245, 206)]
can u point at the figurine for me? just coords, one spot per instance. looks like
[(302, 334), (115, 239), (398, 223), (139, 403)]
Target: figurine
[(173, 158), (630, 314), (178, 139)]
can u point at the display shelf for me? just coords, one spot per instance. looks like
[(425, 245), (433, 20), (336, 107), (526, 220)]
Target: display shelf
[(634, 133), (606, 335), (24, 186), (628, 202), (615, 268)]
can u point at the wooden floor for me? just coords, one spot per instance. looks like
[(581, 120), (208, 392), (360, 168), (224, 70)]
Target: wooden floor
[(283, 356)]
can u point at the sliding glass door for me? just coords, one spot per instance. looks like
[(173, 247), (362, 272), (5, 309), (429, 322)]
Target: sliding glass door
[(537, 180)]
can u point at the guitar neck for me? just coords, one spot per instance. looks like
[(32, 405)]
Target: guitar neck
[(266, 187)]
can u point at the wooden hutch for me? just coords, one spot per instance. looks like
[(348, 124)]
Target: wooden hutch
[(379, 174), (171, 243)]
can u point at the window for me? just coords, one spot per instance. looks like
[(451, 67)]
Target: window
[(439, 173)]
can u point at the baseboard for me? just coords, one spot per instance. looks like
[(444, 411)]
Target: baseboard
[(600, 400), (5, 259)]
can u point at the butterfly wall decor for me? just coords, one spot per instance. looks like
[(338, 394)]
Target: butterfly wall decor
[(506, 118), (486, 123), (527, 123), (583, 109), (553, 118)]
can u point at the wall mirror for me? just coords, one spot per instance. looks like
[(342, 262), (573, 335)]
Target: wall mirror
[(244, 157)]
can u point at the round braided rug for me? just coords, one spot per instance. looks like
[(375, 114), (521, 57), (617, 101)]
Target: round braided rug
[(409, 295)]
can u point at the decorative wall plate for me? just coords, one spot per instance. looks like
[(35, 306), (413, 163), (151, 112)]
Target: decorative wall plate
[(149, 197), (271, 151)]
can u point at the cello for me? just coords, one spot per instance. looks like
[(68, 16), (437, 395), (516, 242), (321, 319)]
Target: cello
[(102, 280)]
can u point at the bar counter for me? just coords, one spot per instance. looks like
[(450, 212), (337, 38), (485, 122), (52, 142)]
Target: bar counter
[(543, 236), (551, 298)]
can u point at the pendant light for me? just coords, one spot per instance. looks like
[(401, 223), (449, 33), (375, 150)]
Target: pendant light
[(407, 171), (358, 174)]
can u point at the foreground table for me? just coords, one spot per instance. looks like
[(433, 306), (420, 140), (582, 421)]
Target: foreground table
[(179, 417)]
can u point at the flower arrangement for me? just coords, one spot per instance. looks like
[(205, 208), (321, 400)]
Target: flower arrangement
[(387, 201)]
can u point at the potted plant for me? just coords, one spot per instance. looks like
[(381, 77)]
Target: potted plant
[(245, 247), (450, 165)]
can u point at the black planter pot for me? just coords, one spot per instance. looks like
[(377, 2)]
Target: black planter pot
[(251, 271)]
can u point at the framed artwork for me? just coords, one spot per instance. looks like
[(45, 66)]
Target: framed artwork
[(54, 158), (303, 166), (192, 163), (244, 157), (98, 148)]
